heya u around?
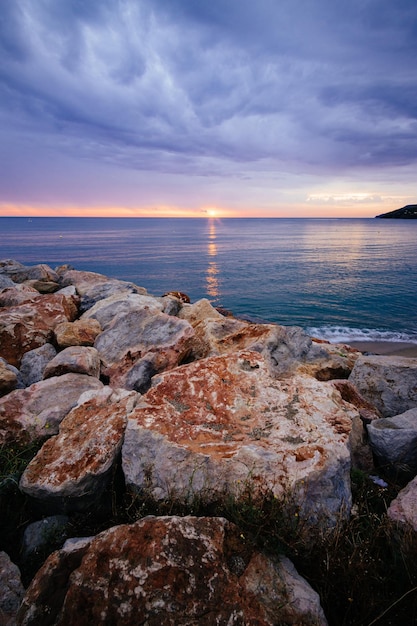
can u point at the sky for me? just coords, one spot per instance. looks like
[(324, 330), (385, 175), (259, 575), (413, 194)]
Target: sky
[(219, 108)]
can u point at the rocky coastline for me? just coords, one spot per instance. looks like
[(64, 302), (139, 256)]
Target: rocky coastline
[(116, 398)]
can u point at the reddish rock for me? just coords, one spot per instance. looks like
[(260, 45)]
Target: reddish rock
[(286, 348), (30, 325), (13, 296), (170, 571), (35, 413), (224, 424), (82, 332), (72, 469), (77, 359)]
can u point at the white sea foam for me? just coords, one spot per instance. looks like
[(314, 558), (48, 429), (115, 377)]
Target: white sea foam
[(343, 334)]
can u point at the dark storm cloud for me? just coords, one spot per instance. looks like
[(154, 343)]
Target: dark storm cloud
[(173, 85)]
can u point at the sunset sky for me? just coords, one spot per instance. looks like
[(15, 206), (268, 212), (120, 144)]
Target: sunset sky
[(292, 108)]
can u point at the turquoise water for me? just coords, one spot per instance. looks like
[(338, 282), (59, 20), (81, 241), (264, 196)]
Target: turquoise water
[(341, 279)]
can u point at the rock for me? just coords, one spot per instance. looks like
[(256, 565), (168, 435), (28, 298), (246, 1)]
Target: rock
[(71, 470), (361, 453), (287, 348), (44, 536), (404, 508), (394, 443), (82, 332), (77, 359), (225, 425), (142, 341), (34, 362), (93, 287), (5, 282), (388, 382), (182, 297), (169, 570), (106, 310), (20, 273), (35, 413), (18, 294), (8, 378), (30, 325), (11, 590), (43, 286)]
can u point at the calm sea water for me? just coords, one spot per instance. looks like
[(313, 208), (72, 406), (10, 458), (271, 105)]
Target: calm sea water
[(340, 279)]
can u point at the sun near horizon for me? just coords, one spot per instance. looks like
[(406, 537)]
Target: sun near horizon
[(297, 210)]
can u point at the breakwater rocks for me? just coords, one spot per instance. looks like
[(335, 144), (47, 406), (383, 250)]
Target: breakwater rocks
[(169, 402)]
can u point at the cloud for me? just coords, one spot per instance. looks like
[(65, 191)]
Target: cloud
[(210, 89)]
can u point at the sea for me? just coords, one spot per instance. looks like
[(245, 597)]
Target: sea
[(339, 279)]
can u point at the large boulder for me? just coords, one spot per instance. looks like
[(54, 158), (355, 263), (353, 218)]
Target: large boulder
[(11, 590), (225, 425), (72, 469), (105, 311), (169, 570), (35, 413), (92, 287), (20, 273), (287, 348), (390, 383), (77, 359), (139, 343), (30, 325), (394, 443)]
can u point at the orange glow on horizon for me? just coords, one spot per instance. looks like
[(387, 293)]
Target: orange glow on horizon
[(301, 210)]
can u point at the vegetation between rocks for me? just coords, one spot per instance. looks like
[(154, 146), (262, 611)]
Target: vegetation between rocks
[(364, 569)]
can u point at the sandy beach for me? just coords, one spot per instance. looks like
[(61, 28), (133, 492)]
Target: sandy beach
[(386, 348)]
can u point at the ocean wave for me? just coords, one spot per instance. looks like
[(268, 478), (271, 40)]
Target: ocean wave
[(343, 334)]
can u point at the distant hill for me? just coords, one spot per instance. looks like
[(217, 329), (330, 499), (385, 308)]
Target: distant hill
[(408, 212)]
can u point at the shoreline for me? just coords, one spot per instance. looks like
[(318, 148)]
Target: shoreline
[(385, 348)]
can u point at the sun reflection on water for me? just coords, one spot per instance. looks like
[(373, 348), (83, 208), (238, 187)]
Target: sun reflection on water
[(212, 280)]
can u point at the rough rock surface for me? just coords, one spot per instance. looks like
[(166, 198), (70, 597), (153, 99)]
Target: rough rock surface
[(30, 325), (286, 349), (11, 590), (93, 287), (36, 412), (390, 383), (34, 362), (8, 378), (139, 343), (79, 333), (44, 536), (72, 469), (225, 424), (394, 443), (17, 294), (77, 359), (404, 508), (170, 571), (20, 273), (105, 311)]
